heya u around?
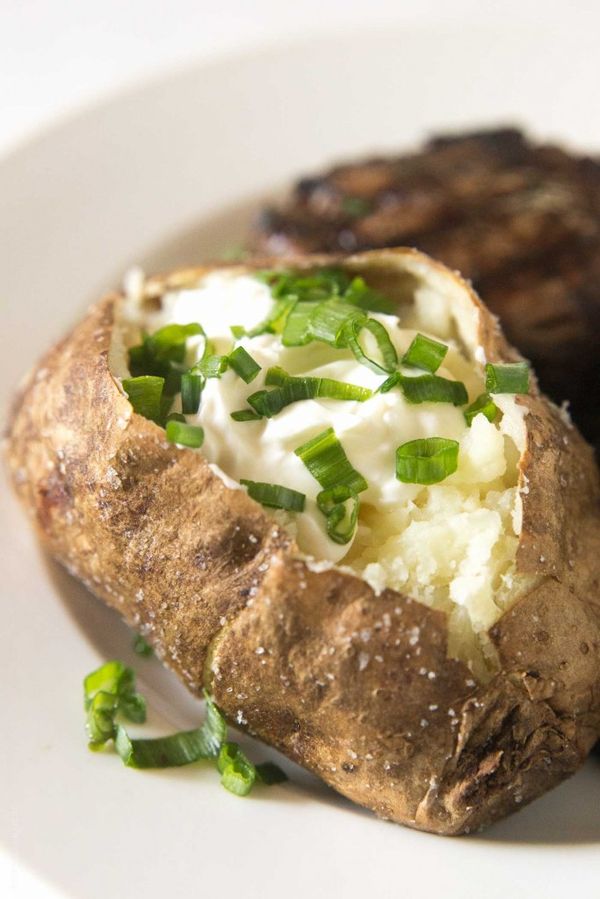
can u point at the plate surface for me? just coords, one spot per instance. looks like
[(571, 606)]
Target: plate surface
[(171, 174)]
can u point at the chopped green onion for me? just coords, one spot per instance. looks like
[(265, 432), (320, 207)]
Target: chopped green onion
[(211, 366), (238, 331), (246, 415), (326, 460), (145, 395), (159, 351), (511, 377), (100, 719), (176, 416), (341, 523), (425, 353), (276, 376), (275, 321), (292, 390), (269, 773), (329, 321), (237, 771), (133, 707), (483, 405), (168, 343), (388, 357), (141, 647), (275, 496), (359, 294), (181, 748), (297, 331), (426, 461), (243, 364), (191, 390), (108, 691), (184, 434), (427, 389)]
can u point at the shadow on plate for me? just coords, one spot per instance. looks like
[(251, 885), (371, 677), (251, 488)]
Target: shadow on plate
[(568, 815)]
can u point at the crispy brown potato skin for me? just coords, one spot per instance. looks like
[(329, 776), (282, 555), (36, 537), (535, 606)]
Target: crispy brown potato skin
[(312, 661)]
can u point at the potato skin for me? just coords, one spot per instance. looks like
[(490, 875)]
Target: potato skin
[(353, 686)]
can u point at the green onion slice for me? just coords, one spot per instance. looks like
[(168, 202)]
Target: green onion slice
[(329, 321), (184, 434), (483, 405), (388, 357), (191, 390), (141, 647), (237, 771), (211, 366), (511, 377), (145, 395), (275, 496), (168, 343), (340, 505), (425, 353), (427, 389), (181, 748), (326, 460), (243, 364), (108, 691), (237, 331), (426, 461), (297, 331), (293, 390), (246, 415)]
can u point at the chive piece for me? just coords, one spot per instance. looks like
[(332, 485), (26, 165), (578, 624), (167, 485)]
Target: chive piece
[(276, 376), (269, 773), (141, 647), (238, 331), (191, 390), (483, 405), (275, 321), (329, 320), (296, 331), (512, 377), (246, 415), (367, 299), (145, 394), (341, 522), (425, 353), (100, 719), (326, 460), (168, 343), (387, 352), (275, 496), (426, 461), (427, 389), (211, 366), (293, 390), (107, 691), (243, 364), (184, 434), (237, 771), (181, 748), (356, 207)]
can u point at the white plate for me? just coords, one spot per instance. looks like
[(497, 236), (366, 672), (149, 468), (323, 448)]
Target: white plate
[(169, 174)]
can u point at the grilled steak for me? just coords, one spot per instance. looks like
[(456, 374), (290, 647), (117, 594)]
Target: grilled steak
[(521, 220)]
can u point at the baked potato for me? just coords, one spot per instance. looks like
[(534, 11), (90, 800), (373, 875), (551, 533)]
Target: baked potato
[(410, 607)]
